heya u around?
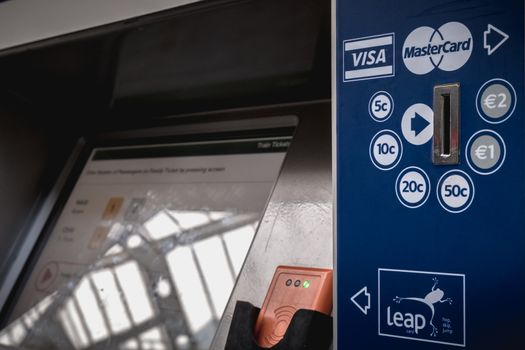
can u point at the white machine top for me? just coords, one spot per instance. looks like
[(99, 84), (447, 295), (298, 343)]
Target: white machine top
[(27, 21)]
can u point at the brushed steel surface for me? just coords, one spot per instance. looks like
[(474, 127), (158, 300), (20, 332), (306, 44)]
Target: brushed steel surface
[(296, 228)]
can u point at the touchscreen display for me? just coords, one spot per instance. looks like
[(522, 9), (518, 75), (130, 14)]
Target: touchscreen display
[(147, 249)]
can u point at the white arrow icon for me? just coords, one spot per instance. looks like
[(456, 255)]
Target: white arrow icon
[(486, 45), (364, 309)]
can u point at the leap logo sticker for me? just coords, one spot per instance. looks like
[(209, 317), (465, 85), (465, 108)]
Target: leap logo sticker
[(371, 57), (422, 306), (448, 48)]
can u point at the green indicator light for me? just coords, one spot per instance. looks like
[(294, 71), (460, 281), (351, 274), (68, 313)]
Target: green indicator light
[(306, 284)]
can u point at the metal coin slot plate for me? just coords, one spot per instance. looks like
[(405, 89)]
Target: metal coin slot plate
[(445, 143)]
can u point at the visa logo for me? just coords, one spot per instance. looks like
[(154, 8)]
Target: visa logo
[(369, 58)]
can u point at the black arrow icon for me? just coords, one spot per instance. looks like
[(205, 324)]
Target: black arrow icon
[(418, 124)]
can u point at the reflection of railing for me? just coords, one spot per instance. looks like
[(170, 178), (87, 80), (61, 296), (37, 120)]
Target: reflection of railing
[(108, 308)]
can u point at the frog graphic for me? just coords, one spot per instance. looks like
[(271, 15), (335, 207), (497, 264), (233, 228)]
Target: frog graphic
[(433, 297)]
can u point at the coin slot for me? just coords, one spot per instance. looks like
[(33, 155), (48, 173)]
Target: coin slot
[(445, 100), (446, 125)]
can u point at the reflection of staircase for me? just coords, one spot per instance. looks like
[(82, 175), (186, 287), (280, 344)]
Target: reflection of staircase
[(214, 227), (168, 312), (204, 335)]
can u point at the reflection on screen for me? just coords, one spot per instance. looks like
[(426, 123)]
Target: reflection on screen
[(147, 249)]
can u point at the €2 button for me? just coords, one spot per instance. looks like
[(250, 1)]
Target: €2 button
[(496, 101)]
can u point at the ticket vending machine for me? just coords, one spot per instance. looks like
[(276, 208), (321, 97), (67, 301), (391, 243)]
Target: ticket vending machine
[(430, 173), (202, 163)]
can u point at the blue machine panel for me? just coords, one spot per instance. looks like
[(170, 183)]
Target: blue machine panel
[(430, 256)]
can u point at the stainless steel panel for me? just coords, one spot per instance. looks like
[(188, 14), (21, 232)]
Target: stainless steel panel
[(297, 226), (446, 138)]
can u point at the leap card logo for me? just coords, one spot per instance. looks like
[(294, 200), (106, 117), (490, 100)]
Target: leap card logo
[(422, 306)]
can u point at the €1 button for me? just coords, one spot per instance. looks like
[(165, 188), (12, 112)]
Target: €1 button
[(386, 150), (412, 187), (455, 191), (485, 152)]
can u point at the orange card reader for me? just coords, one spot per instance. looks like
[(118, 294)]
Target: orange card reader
[(292, 288)]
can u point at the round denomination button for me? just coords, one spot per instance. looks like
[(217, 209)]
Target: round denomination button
[(381, 106), (417, 124), (412, 187), (455, 191), (496, 101), (486, 152), (386, 149)]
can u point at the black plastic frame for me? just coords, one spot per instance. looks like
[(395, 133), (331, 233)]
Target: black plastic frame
[(308, 330)]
